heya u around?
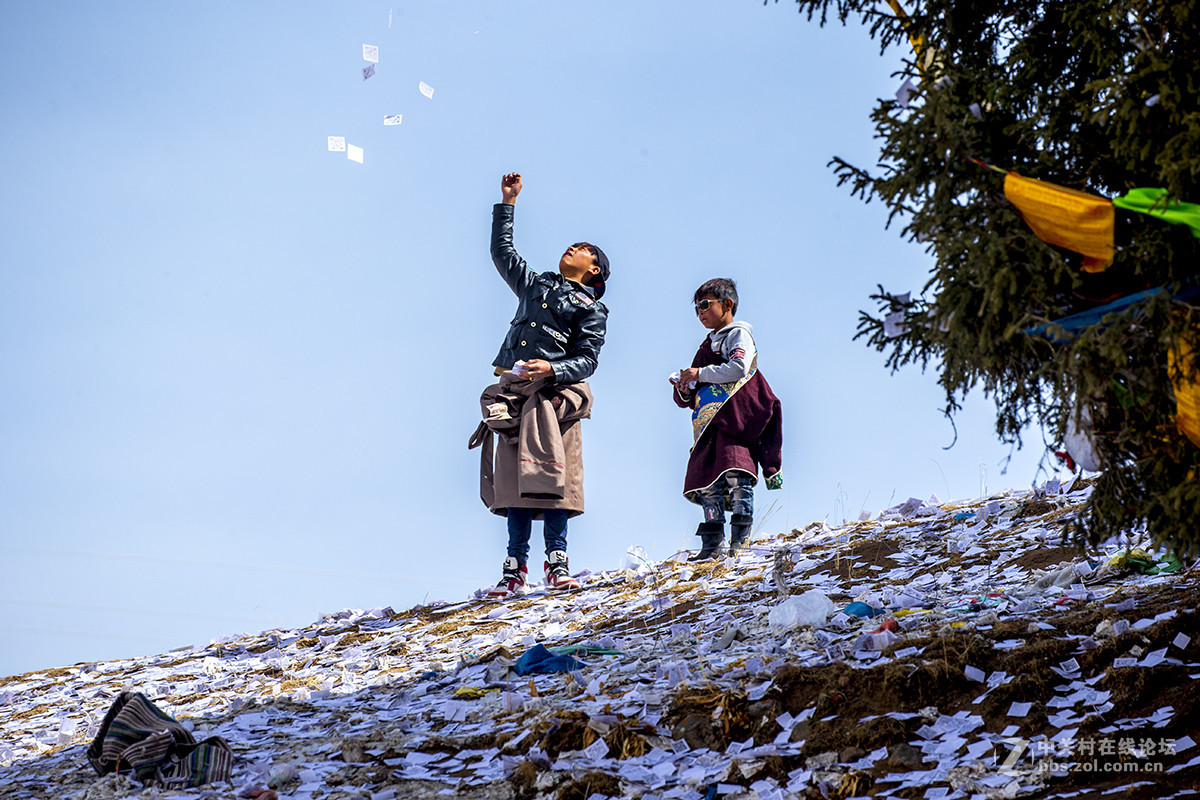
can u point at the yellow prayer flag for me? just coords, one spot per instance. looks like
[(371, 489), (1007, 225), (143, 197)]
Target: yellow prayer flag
[(915, 41), (1187, 391), (1064, 217)]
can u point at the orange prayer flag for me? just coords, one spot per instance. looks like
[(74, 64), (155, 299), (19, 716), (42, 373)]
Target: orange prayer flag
[(1064, 217)]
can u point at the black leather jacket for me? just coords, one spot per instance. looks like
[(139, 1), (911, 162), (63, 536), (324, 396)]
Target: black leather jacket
[(558, 320)]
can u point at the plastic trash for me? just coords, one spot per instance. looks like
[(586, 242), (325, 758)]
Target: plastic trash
[(1062, 577), (877, 642), (281, 775), (1138, 560), (859, 609), (537, 660), (635, 558), (811, 608)]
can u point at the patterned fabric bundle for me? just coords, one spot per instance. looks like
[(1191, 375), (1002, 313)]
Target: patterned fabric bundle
[(137, 736)]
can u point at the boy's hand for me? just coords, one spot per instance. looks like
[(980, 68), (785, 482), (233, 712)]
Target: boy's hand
[(510, 187), (688, 375), (536, 368)]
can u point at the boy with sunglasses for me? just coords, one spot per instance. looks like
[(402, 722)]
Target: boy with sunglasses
[(552, 347), (737, 422)]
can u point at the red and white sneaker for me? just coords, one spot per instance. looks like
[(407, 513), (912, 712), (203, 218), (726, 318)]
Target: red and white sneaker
[(558, 572), (514, 581)]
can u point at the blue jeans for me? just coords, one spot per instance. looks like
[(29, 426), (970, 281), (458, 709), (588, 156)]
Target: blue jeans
[(733, 490), (520, 525)]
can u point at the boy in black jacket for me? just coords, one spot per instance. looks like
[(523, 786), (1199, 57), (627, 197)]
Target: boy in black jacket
[(555, 335)]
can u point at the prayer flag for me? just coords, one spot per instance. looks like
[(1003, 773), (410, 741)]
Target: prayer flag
[(1156, 203), (1066, 218), (1187, 390)]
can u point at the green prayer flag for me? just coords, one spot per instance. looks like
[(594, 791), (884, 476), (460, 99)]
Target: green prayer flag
[(1155, 203)]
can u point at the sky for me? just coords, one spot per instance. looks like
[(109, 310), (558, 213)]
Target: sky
[(238, 371)]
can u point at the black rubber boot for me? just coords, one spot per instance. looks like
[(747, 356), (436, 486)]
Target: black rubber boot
[(739, 532), (712, 535)]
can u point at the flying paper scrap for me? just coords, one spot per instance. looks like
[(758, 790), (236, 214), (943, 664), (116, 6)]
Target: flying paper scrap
[(371, 53), (368, 71), (337, 144), (893, 324), (354, 153), (426, 89), (392, 119)]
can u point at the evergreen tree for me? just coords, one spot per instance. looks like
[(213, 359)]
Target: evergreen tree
[(1100, 96)]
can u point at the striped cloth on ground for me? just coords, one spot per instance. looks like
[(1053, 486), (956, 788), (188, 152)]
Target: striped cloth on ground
[(136, 735)]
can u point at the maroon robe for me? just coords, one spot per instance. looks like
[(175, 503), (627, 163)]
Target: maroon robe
[(746, 433)]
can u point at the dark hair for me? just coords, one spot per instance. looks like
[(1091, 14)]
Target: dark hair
[(720, 288), (599, 281)]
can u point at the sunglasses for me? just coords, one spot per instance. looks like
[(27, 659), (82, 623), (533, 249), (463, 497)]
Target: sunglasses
[(705, 305)]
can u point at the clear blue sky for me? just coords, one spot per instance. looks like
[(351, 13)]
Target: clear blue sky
[(239, 371)]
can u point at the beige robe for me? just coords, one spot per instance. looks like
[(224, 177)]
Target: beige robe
[(538, 461)]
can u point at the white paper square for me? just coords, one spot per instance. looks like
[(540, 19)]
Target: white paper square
[(1154, 658), (1019, 709), (1181, 640), (974, 674), (893, 325), (597, 749), (368, 71), (354, 153), (371, 53), (426, 89), (392, 119), (337, 144)]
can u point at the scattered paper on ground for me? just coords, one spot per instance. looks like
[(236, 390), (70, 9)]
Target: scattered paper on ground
[(687, 691)]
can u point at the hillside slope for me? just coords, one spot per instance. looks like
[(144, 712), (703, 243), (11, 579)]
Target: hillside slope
[(692, 686)]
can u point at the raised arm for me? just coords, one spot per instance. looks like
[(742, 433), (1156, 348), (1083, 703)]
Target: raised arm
[(509, 264)]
